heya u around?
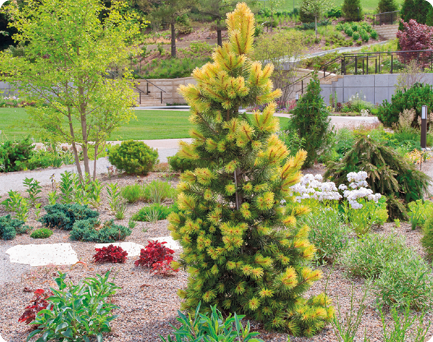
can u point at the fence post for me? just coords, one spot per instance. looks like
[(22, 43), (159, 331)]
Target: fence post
[(356, 65), (392, 62)]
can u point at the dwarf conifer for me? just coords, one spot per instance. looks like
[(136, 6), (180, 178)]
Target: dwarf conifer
[(244, 251)]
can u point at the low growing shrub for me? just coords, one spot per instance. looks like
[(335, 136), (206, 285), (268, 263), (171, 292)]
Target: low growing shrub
[(405, 282), (92, 230), (63, 216), (157, 191), (327, 233), (366, 257), (133, 157), (154, 212), (179, 164), (111, 253), (214, 328), (10, 227), (15, 154), (419, 211), (132, 193), (77, 312), (41, 233), (157, 257)]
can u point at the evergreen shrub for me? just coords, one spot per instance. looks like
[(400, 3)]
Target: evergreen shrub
[(388, 173), (10, 227), (92, 230), (243, 250), (350, 10), (133, 157), (41, 233), (63, 216), (179, 164), (15, 154), (414, 97), (310, 121)]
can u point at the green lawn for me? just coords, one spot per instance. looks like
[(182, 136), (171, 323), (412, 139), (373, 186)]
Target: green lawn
[(150, 125)]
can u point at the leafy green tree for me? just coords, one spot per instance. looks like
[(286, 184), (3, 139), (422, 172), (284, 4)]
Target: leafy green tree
[(243, 250), (167, 11), (277, 49), (387, 6), (352, 10), (68, 53), (316, 8), (310, 121)]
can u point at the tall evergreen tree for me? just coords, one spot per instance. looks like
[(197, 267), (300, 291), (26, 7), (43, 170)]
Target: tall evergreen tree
[(387, 6), (244, 251), (414, 9), (352, 10), (429, 18), (310, 121)]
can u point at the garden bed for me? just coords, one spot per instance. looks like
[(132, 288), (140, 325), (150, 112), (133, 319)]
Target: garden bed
[(149, 303)]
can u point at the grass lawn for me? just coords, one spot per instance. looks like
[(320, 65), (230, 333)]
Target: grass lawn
[(150, 125)]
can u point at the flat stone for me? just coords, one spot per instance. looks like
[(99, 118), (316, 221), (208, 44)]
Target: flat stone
[(45, 254), (132, 248), (170, 242)]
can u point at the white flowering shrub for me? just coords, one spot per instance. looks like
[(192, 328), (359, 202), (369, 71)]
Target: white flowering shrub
[(362, 207)]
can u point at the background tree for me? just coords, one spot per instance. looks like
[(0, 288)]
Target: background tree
[(168, 11), (352, 10), (282, 50), (387, 6), (414, 9), (243, 250), (316, 8), (68, 53), (310, 122), (429, 18)]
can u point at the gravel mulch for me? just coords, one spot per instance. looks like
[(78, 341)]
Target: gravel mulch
[(149, 304)]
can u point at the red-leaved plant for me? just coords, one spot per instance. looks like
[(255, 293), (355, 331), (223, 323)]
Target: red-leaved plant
[(157, 257), (415, 36), (110, 253), (39, 303)]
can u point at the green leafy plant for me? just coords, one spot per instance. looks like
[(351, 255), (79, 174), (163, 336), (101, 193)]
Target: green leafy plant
[(66, 187), (18, 204), (63, 216), (403, 328), (10, 227), (405, 280), (41, 233), (212, 329), (113, 195), (370, 214), (132, 193), (94, 193), (15, 154), (157, 191), (328, 234), (414, 97), (77, 312), (134, 157), (92, 230), (367, 256), (33, 189), (179, 164), (154, 212), (418, 212), (53, 197), (427, 239), (131, 223)]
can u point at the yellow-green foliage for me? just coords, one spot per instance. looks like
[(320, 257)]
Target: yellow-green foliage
[(243, 250)]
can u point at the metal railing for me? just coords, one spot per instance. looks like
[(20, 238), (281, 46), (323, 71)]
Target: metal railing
[(147, 92), (386, 18)]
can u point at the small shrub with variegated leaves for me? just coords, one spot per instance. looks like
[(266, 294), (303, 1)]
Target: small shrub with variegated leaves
[(111, 253)]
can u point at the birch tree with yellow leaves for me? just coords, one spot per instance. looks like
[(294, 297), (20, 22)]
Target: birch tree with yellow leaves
[(238, 225)]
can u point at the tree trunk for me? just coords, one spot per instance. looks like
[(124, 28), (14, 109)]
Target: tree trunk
[(219, 37), (315, 25), (173, 41), (74, 146), (83, 120), (95, 157)]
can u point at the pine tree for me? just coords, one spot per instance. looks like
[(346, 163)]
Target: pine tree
[(352, 10), (415, 9), (310, 121), (429, 18), (387, 6), (244, 251)]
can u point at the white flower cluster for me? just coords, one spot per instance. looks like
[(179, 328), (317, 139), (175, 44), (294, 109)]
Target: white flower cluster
[(312, 187)]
